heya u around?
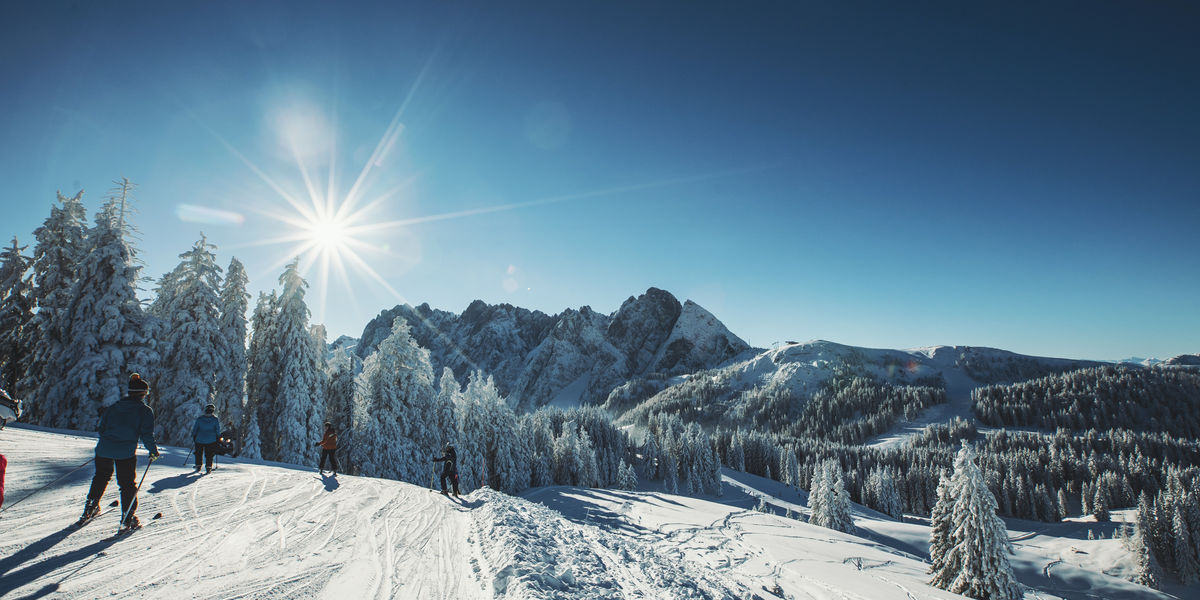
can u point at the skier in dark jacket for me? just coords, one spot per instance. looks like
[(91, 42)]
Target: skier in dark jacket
[(121, 426), (227, 444), (204, 436), (449, 460), (9, 411)]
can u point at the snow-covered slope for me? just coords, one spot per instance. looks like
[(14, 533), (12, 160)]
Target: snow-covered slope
[(256, 530), (800, 369), (884, 559)]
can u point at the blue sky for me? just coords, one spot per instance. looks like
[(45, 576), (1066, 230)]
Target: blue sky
[(1018, 176)]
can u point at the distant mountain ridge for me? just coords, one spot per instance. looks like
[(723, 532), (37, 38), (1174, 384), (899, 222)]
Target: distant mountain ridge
[(653, 343), (572, 357)]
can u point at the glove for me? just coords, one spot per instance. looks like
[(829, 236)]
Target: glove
[(154, 456)]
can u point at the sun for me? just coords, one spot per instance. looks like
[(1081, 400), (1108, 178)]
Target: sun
[(328, 234)]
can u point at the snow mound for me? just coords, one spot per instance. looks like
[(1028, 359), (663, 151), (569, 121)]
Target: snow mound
[(534, 552)]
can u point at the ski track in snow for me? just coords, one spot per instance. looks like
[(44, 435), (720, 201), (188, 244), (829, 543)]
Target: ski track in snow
[(251, 530), (243, 531)]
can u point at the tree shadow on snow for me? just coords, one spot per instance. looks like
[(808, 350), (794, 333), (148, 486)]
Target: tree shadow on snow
[(31, 573), (173, 482), (582, 506), (31, 551)]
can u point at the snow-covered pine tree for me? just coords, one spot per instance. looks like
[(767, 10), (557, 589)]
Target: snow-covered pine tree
[(250, 440), (881, 491), (445, 404), (737, 455), (671, 479), (791, 473), (588, 473), (488, 450), (1147, 570), (192, 342), (299, 393), (1186, 566), (261, 371), (231, 375), (628, 479), (941, 525), (343, 367), (316, 418), (56, 255), (976, 563), (106, 327), (396, 384), (536, 428), (565, 456), (16, 313), (819, 496)]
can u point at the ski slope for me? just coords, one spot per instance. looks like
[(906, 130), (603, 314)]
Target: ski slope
[(260, 530)]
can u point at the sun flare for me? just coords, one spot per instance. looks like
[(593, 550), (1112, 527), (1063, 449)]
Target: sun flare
[(330, 235)]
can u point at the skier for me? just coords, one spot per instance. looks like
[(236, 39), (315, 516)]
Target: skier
[(121, 426), (328, 445), (204, 435), (9, 411), (228, 443), (449, 460)]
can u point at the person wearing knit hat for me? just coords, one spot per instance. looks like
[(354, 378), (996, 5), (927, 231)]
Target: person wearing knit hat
[(204, 435), (121, 426), (137, 385)]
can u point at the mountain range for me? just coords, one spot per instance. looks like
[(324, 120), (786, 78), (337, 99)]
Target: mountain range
[(653, 341)]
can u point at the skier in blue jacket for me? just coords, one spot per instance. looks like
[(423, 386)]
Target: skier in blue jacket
[(204, 434), (121, 426)]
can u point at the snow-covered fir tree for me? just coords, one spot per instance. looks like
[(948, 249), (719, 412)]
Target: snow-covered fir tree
[(394, 393), (489, 454), (628, 479), (445, 423), (880, 493), (342, 368), (250, 439), (941, 526), (105, 324), (829, 500), (261, 370), (16, 314), (297, 407), (231, 373), (974, 561), (56, 255), (192, 347), (536, 429)]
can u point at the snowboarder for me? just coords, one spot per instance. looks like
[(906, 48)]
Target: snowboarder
[(204, 435), (449, 460), (121, 426), (9, 411), (328, 446), (227, 444)]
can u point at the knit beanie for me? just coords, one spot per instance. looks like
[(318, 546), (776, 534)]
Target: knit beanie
[(137, 384)]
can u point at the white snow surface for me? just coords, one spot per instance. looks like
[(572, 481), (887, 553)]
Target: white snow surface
[(253, 529)]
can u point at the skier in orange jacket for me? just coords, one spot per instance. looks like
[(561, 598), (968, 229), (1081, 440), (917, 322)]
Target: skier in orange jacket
[(328, 446)]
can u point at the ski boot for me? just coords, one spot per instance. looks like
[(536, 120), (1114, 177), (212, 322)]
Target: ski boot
[(131, 523), (91, 508)]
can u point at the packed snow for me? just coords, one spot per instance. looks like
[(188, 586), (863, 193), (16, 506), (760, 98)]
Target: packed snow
[(253, 529)]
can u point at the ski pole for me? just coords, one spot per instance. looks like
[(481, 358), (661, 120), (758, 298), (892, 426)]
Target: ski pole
[(133, 502), (64, 475), (189, 455)]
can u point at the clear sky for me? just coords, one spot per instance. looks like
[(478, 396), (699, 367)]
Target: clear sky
[(1017, 175)]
